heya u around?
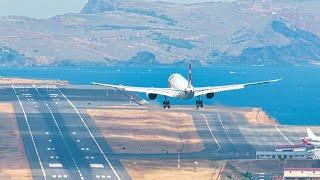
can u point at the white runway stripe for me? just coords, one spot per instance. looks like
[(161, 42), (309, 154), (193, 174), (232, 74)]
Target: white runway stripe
[(30, 132), (94, 139)]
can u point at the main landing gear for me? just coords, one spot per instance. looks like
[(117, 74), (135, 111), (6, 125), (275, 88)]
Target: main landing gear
[(199, 103), (166, 103)]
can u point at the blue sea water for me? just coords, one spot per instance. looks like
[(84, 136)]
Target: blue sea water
[(294, 100)]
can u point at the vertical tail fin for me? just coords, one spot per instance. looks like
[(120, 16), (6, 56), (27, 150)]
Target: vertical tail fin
[(310, 134), (190, 75)]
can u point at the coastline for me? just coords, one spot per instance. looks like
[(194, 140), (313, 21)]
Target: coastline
[(24, 81)]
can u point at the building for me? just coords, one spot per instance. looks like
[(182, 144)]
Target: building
[(301, 173), (299, 151), (295, 148), (283, 155), (316, 153), (301, 169)]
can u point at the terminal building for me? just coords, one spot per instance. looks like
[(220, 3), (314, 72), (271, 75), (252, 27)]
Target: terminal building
[(301, 169), (283, 155), (316, 153), (301, 173), (293, 148), (300, 151)]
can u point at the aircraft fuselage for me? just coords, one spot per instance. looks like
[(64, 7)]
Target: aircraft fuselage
[(179, 83)]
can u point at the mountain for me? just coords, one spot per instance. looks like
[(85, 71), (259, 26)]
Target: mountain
[(10, 57), (126, 32), (98, 6)]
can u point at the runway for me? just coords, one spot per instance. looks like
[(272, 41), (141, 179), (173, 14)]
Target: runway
[(62, 142), (59, 141), (221, 135)]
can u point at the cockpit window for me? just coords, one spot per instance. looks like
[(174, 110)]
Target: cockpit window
[(170, 78)]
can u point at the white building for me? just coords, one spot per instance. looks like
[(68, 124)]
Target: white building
[(316, 153), (283, 155), (302, 173)]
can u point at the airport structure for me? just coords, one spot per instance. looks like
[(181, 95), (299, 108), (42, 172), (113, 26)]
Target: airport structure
[(283, 155), (62, 141), (299, 151), (301, 173), (316, 153)]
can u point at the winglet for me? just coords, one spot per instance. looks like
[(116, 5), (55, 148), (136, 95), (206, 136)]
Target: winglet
[(263, 82), (190, 75), (279, 79)]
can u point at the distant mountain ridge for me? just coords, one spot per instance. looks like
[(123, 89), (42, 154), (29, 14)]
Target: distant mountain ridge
[(126, 32), (97, 6), (10, 57)]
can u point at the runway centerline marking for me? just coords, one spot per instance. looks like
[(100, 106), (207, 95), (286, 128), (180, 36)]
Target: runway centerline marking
[(30, 132), (94, 139), (60, 132), (214, 138), (224, 129), (284, 136)]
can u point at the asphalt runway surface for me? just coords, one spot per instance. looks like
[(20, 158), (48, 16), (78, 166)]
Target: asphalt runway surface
[(62, 142), (59, 141), (224, 135)]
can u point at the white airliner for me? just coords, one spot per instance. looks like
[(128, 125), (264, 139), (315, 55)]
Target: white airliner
[(181, 88), (311, 139)]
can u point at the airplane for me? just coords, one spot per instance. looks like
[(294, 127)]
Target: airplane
[(311, 139), (181, 88)]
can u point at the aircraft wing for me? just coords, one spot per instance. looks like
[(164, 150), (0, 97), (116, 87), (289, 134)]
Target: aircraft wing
[(169, 92), (214, 89)]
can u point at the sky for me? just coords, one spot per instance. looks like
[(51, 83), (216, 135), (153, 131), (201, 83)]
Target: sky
[(40, 8), (49, 8)]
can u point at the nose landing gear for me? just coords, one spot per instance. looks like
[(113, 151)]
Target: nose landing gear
[(166, 103), (199, 103)]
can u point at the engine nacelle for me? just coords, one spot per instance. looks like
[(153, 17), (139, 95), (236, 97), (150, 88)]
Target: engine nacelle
[(152, 96), (210, 95)]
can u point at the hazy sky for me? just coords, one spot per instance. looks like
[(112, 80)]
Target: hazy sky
[(49, 8), (39, 8)]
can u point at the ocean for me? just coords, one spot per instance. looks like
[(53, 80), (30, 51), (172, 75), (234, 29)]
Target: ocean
[(295, 100)]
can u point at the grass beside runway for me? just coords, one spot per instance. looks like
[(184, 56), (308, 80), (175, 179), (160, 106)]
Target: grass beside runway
[(13, 160), (172, 169), (144, 130)]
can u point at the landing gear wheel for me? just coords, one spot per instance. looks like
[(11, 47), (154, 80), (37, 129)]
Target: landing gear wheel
[(199, 103), (166, 104)]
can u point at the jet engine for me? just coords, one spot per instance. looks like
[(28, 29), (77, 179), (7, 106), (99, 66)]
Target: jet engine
[(152, 96), (210, 95)]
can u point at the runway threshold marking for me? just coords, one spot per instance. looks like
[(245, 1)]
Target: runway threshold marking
[(30, 132), (97, 165), (60, 132), (94, 139), (210, 130), (284, 136), (55, 165)]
